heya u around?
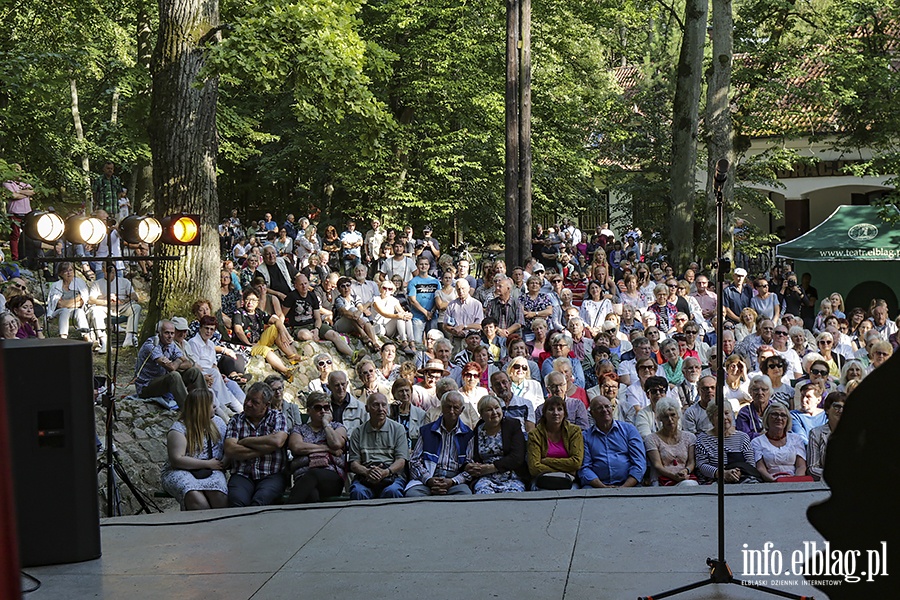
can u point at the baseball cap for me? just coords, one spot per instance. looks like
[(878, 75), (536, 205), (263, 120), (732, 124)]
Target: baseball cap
[(180, 323), (740, 272)]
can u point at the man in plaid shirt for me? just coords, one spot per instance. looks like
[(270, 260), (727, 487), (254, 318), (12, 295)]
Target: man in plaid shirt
[(255, 444)]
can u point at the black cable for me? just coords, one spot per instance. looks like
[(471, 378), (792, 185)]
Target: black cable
[(37, 583), (465, 498)]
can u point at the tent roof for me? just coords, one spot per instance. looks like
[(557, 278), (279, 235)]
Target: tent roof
[(850, 233)]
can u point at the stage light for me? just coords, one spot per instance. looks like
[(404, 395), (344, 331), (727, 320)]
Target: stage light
[(135, 229), (44, 226), (181, 230), (85, 230)]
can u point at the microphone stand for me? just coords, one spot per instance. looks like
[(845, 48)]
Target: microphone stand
[(719, 571)]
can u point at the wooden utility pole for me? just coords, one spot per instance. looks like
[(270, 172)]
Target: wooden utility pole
[(525, 136), (513, 208)]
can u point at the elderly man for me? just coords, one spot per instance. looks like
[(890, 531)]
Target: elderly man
[(437, 465), (504, 308), (737, 295), (695, 418), (278, 273), (613, 450), (513, 406), (372, 244), (688, 390), (556, 386), (345, 409), (559, 347), (254, 443), (363, 290), (749, 345), (378, 454), (463, 314), (163, 368)]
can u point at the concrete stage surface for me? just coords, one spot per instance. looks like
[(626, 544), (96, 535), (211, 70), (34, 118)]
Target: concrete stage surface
[(568, 545)]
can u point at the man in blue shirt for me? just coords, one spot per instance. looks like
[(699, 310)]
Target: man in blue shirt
[(737, 295), (613, 450), (420, 292)]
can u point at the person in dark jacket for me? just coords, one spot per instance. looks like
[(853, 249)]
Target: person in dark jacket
[(498, 463)]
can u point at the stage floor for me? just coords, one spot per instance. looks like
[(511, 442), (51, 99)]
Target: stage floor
[(569, 545)]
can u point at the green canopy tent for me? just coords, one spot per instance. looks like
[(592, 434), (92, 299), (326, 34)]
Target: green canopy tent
[(855, 252)]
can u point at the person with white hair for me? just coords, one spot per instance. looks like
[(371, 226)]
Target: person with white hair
[(670, 450)]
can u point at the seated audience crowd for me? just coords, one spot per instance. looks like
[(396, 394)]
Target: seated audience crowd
[(592, 365)]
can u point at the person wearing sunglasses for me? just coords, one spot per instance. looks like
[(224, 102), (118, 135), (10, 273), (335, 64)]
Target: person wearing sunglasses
[(825, 343), (324, 365), (318, 447), (645, 420)]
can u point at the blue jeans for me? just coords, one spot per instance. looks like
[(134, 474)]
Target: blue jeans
[(349, 262), (361, 491), (243, 491), (421, 326)]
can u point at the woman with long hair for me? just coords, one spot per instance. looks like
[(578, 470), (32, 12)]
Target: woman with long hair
[(194, 472)]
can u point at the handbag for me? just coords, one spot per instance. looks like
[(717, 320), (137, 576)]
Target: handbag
[(203, 473), (319, 460), (554, 481)]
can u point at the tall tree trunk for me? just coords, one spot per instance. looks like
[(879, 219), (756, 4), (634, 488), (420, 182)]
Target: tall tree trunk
[(184, 142), (142, 195), (513, 235), (684, 132), (79, 135), (720, 140), (525, 136), (114, 109)]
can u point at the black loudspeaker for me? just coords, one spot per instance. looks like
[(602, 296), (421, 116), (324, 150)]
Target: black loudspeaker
[(50, 403)]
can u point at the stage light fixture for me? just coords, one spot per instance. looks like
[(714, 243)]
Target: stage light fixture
[(181, 230), (85, 230), (135, 229), (45, 226)]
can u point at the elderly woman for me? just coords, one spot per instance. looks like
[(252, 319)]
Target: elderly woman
[(749, 418), (194, 472), (471, 389), (515, 347), (799, 343), (818, 437), (498, 461), (68, 297), (779, 453), (318, 448), (540, 341), (809, 415), (853, 370), (405, 412), (673, 364), (747, 324), (631, 295), (535, 305), (662, 308), (22, 306), (825, 342), (392, 320), (609, 387), (202, 350), (670, 451), (522, 384), (324, 365), (645, 419), (555, 448), (738, 459), (775, 368), (315, 270), (9, 326)]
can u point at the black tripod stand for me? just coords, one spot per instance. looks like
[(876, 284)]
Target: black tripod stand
[(113, 467), (719, 571), (111, 463)]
